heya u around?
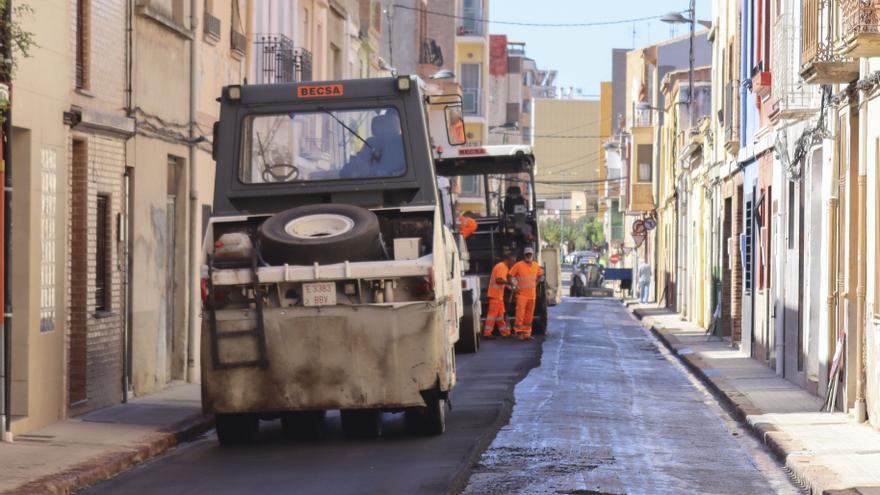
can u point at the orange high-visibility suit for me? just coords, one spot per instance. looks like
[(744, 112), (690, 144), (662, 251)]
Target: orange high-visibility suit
[(526, 276), (495, 293), (467, 226)]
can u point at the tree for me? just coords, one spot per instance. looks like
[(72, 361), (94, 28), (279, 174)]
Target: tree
[(14, 36)]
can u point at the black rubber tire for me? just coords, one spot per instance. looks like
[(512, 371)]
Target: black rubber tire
[(236, 429), (430, 420), (303, 425), (468, 327), (539, 323), (361, 243), (361, 423)]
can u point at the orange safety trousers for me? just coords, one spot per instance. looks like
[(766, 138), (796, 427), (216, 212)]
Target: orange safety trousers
[(525, 312), (496, 316)]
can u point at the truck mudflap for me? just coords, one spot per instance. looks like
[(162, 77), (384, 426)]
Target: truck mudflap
[(335, 357)]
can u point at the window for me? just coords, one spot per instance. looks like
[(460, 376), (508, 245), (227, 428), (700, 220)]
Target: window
[(82, 44), (646, 166), (102, 253), (470, 186), (47, 239), (318, 146), (747, 248), (335, 61), (470, 88), (512, 113)]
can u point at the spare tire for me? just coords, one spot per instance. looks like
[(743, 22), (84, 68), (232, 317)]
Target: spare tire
[(324, 233)]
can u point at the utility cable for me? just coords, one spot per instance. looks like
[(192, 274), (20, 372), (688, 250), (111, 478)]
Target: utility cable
[(531, 24)]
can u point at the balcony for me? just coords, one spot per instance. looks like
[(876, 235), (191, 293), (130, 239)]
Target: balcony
[(472, 99), (822, 62), (861, 28), (471, 23), (793, 97), (278, 62), (212, 26)]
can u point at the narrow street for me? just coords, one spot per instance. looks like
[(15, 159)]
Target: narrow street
[(605, 412)]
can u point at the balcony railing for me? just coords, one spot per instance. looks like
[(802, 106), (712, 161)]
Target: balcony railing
[(278, 62), (212, 26), (238, 42), (861, 27), (793, 96), (472, 99), (471, 23), (823, 61)]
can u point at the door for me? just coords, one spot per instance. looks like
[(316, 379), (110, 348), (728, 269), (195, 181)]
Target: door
[(170, 247), (793, 285), (747, 250)]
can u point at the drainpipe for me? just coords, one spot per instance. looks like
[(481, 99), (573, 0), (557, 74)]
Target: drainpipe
[(6, 195), (862, 265), (193, 272)]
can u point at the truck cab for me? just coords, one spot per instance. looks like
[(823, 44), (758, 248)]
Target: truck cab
[(331, 278)]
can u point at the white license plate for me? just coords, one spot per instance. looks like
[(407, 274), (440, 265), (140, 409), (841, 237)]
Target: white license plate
[(319, 294)]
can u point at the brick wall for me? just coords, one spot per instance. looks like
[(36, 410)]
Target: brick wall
[(97, 166)]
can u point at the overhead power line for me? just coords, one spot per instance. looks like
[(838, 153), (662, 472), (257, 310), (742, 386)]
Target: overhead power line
[(531, 24)]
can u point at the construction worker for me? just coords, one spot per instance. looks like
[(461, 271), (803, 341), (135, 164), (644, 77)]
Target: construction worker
[(497, 282), (467, 225), (525, 275)]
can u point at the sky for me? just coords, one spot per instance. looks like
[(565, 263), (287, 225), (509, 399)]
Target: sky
[(582, 55)]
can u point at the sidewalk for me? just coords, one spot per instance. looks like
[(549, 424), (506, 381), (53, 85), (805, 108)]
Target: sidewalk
[(829, 453), (73, 454)]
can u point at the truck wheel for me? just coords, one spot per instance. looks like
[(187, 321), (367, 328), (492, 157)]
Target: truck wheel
[(236, 429), (468, 327), (430, 420), (539, 325), (303, 425), (361, 423), (323, 233)]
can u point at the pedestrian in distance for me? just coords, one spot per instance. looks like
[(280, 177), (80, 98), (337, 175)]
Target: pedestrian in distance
[(496, 316), (644, 281), (526, 275)]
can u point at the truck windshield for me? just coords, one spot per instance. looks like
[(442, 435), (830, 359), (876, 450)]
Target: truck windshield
[(322, 145)]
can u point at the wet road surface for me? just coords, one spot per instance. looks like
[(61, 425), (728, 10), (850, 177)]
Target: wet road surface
[(609, 412), (394, 464)]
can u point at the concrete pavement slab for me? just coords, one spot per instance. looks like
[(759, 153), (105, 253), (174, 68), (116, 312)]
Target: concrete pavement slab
[(73, 454)]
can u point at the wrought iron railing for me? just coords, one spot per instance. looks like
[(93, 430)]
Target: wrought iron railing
[(431, 53), (821, 28), (792, 94), (212, 25), (238, 42), (278, 62), (731, 112), (860, 17), (471, 23)]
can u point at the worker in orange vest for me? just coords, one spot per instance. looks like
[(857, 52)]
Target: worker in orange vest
[(466, 225), (495, 293), (525, 275)]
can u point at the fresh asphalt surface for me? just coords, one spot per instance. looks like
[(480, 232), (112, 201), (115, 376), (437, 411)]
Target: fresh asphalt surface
[(396, 463), (607, 412)]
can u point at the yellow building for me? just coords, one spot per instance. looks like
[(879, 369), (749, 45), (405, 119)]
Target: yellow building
[(472, 68), (567, 146)]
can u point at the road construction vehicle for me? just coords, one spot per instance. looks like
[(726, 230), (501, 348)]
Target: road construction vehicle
[(332, 278), (509, 222)]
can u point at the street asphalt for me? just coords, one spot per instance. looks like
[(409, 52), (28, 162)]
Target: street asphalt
[(608, 411), (396, 463)]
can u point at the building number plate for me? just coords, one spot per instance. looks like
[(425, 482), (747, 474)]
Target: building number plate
[(319, 294)]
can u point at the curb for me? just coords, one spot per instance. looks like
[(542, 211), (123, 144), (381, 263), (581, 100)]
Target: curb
[(110, 464), (815, 478)]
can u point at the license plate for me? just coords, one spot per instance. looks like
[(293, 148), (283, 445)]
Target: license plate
[(319, 294)]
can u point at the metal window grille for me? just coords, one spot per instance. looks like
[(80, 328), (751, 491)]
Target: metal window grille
[(212, 25), (82, 40), (47, 239)]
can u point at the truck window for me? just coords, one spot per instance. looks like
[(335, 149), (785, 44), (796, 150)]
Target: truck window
[(323, 145)]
